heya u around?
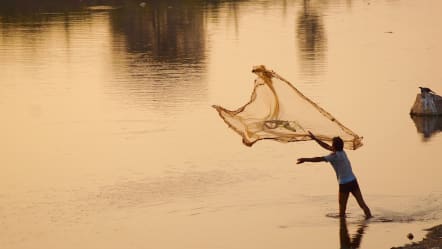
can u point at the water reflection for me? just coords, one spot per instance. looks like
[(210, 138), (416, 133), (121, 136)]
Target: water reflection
[(161, 46), (158, 51), (169, 32), (347, 241), (15, 7), (311, 37), (155, 54), (427, 125)]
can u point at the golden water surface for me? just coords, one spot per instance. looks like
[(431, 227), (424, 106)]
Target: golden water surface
[(108, 138)]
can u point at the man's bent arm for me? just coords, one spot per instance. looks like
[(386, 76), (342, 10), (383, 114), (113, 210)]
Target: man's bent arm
[(323, 144)]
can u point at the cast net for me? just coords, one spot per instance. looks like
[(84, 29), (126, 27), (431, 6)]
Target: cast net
[(279, 111)]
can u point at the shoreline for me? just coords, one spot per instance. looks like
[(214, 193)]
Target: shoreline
[(433, 240)]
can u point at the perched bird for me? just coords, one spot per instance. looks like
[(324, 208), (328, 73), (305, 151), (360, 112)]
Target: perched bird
[(426, 90)]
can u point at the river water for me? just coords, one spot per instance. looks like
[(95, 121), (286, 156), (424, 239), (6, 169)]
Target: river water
[(108, 138)]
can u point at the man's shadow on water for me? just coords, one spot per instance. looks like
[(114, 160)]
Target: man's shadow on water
[(347, 241)]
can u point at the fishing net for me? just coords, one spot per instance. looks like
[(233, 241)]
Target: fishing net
[(279, 111)]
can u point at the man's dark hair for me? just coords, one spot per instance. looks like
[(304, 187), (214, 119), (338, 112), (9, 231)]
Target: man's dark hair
[(338, 144)]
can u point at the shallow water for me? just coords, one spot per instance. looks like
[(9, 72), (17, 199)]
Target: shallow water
[(109, 140)]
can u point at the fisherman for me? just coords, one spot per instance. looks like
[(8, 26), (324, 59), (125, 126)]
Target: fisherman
[(347, 180)]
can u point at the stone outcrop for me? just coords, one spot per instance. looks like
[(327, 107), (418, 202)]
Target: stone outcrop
[(427, 104)]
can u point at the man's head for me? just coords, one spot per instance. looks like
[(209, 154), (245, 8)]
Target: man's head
[(338, 144)]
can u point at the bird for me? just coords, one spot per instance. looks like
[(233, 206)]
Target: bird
[(426, 90)]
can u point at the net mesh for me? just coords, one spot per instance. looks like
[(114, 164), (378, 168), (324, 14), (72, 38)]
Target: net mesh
[(279, 111)]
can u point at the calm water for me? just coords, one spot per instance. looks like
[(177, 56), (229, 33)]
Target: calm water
[(108, 139)]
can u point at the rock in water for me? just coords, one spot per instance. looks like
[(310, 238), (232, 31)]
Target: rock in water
[(427, 104)]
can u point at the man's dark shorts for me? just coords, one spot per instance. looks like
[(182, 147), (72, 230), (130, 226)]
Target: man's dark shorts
[(349, 187)]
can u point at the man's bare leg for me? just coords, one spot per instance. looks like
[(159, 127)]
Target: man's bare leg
[(343, 198), (358, 195)]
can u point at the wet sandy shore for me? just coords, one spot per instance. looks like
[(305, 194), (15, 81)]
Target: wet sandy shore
[(433, 240)]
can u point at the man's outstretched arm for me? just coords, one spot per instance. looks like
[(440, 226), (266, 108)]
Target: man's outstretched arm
[(311, 159)]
